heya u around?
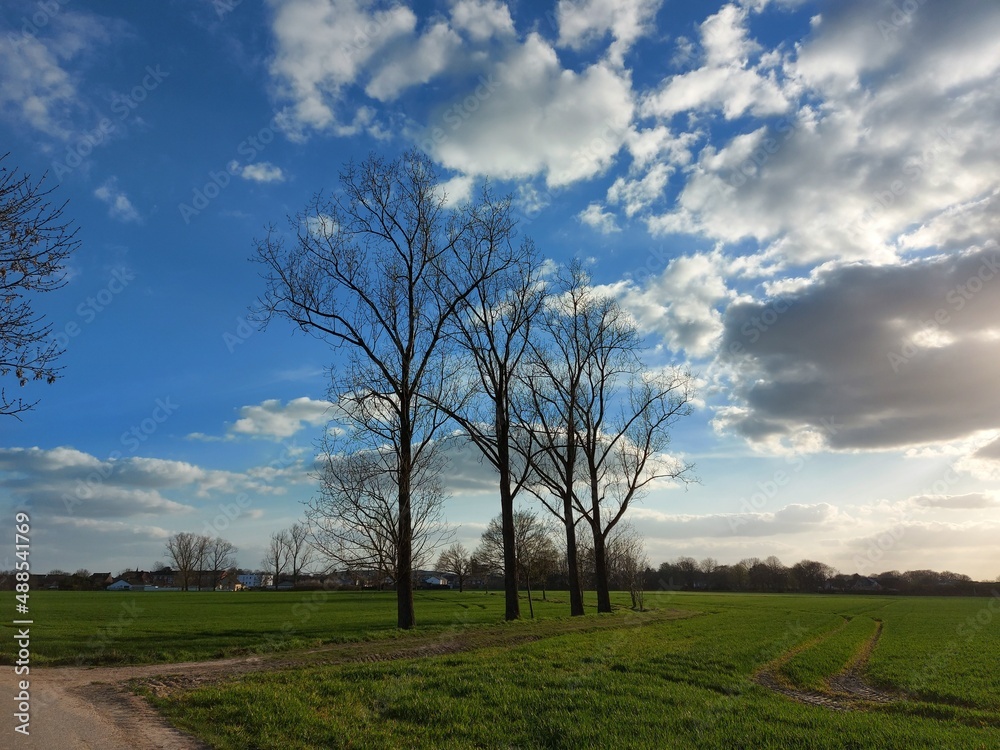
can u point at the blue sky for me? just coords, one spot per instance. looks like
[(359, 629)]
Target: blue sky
[(797, 199)]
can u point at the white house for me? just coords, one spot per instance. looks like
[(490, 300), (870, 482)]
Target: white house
[(120, 585), (255, 580)]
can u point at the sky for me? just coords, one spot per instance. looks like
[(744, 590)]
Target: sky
[(798, 200)]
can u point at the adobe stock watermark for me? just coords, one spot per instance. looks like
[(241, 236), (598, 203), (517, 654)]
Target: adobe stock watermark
[(913, 170), (239, 335), (769, 146), (131, 439), (123, 107), (459, 113), (218, 180), (901, 16), (881, 544), (31, 26), (88, 310), (766, 490), (957, 299)]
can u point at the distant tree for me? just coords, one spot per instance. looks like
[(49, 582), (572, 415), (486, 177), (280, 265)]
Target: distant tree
[(535, 551), (186, 553), (300, 550), (458, 560), (82, 573), (354, 520), (810, 575), (627, 562), (220, 554), (275, 560), (35, 243)]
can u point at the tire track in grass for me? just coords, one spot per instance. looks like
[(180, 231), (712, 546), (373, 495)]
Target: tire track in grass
[(847, 690)]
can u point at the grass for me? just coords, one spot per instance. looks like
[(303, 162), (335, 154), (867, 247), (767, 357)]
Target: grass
[(651, 683), (631, 681), (105, 628)]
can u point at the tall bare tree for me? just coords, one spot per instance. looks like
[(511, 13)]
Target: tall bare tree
[(275, 560), (458, 560), (35, 243), (614, 415), (493, 331), (220, 555), (549, 436), (368, 271), (354, 519)]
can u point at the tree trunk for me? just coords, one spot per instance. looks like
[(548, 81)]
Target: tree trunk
[(575, 593), (531, 608), (601, 568), (404, 553), (512, 605)]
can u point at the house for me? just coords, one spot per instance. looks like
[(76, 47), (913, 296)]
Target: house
[(120, 585), (255, 580)]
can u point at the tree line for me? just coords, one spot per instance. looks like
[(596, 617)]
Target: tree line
[(450, 329)]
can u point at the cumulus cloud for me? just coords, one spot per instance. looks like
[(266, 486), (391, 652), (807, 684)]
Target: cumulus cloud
[(537, 118), (482, 19), (322, 47), (870, 357), (273, 420), (682, 303), (970, 501), (595, 216), (582, 22), (263, 171), (888, 137), (39, 87), (119, 205)]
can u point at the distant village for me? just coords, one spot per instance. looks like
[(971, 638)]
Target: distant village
[(683, 574)]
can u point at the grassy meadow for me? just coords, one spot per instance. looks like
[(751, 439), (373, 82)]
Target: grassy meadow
[(681, 675)]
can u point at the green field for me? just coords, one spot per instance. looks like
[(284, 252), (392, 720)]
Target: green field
[(643, 680)]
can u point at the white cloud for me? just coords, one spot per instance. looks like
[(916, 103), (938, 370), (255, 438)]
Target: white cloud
[(457, 190), (263, 171), (39, 86), (406, 66), (596, 217), (482, 19), (682, 303), (540, 118), (323, 46), (636, 195), (582, 22), (883, 155), (119, 206), (273, 420)]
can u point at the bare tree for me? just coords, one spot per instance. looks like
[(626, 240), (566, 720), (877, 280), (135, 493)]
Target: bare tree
[(535, 555), (368, 271), (354, 520), (35, 243), (619, 413), (220, 555), (186, 551), (627, 562), (549, 435), (275, 559), (458, 560), (493, 330), (300, 551)]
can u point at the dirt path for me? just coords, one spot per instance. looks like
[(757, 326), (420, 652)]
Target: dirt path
[(95, 708), (847, 691)]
